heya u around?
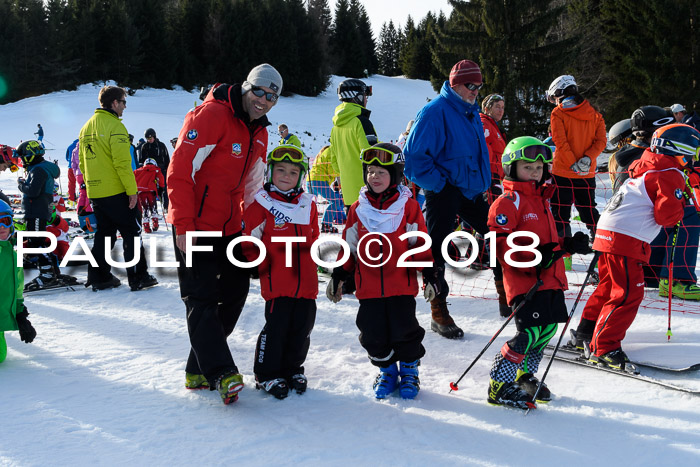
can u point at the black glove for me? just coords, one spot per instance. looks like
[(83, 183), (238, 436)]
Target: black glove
[(254, 273), (431, 282), (333, 291), (548, 255), (26, 331), (577, 244)]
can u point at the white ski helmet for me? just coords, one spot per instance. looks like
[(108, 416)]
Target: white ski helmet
[(556, 89), (150, 161)]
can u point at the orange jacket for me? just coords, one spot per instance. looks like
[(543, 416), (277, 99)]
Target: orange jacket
[(577, 131)]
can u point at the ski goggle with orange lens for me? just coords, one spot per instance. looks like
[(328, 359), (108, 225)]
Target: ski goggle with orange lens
[(286, 153), (6, 220), (10, 165), (381, 155)]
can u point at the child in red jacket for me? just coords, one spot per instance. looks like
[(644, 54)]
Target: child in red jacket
[(524, 206), (389, 330), (282, 209), (650, 199), (149, 179)]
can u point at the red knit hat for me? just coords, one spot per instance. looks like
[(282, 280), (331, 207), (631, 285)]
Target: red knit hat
[(464, 72)]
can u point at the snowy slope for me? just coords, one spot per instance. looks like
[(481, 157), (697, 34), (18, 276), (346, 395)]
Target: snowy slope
[(103, 382)]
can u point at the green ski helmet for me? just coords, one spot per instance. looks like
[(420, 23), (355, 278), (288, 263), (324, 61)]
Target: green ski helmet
[(526, 148), (293, 155)]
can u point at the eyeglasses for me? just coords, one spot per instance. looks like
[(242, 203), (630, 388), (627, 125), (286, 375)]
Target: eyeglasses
[(259, 92), (473, 87), (123, 101), (532, 153), (286, 153), (381, 155)]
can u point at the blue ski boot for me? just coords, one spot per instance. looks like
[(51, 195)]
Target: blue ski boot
[(410, 385), (386, 381)]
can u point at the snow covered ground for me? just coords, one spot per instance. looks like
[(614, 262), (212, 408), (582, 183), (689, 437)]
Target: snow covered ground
[(103, 383)]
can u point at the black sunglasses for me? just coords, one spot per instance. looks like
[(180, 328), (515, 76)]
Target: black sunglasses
[(474, 87), (259, 92)]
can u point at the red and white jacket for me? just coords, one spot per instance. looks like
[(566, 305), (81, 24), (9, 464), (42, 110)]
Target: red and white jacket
[(218, 162), (371, 245), (59, 227), (524, 206), (147, 176), (496, 141), (653, 197), (270, 216)]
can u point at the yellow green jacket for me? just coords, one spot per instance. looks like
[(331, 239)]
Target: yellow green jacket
[(322, 170), (291, 139), (352, 132), (105, 156)]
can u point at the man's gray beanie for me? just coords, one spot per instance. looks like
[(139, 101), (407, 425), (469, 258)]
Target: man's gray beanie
[(264, 75)]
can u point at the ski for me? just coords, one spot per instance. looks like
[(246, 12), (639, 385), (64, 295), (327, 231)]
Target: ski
[(652, 366), (68, 287), (581, 361)]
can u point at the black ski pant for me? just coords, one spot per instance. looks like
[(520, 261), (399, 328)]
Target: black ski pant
[(214, 292), (389, 330), (441, 210), (46, 262), (113, 214), (581, 193), (284, 341)]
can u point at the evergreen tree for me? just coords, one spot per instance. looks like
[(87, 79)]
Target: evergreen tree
[(646, 55), (388, 50), (518, 56)]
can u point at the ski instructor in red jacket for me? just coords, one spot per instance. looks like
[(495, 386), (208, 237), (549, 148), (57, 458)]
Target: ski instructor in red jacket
[(216, 169)]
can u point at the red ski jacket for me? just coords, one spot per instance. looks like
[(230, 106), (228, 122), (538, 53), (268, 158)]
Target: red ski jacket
[(300, 280), (524, 206), (653, 197), (149, 178), (219, 160), (387, 280), (496, 141)]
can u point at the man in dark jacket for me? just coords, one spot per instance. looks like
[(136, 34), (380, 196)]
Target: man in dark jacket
[(446, 155), (216, 170), (154, 149)]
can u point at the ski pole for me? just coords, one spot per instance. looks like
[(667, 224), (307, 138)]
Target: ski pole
[(670, 277), (455, 386), (589, 272)]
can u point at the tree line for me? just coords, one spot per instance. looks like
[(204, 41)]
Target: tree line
[(622, 54)]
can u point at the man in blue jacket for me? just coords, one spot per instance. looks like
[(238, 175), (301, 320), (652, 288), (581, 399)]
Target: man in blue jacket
[(446, 155)]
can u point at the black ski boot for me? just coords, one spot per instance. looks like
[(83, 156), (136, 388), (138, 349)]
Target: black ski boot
[(298, 382), (529, 382), (510, 395), (277, 387), (615, 360)]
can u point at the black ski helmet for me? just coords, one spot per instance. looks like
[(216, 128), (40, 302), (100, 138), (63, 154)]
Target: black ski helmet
[(353, 90), (150, 132), (620, 131), (31, 152), (645, 120), (395, 167)]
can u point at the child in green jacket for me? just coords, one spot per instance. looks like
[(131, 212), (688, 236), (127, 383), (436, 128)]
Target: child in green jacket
[(13, 313)]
